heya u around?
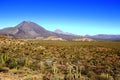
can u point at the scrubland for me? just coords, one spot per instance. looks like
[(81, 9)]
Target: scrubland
[(59, 60)]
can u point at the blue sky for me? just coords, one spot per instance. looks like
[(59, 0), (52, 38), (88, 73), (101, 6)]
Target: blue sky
[(76, 16)]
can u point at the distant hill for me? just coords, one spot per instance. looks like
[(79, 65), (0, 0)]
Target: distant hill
[(28, 29), (65, 33), (104, 37), (54, 38), (84, 39)]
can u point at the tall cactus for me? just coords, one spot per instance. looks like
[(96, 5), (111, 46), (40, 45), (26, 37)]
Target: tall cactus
[(77, 73), (70, 72)]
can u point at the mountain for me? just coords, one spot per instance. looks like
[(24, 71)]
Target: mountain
[(61, 32), (28, 29), (104, 37)]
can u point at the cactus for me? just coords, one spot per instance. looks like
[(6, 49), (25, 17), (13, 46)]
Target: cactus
[(107, 76), (80, 71), (26, 62), (3, 58), (55, 72), (55, 69), (76, 74), (70, 72)]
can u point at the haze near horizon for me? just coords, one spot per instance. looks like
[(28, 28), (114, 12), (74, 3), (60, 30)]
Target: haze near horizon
[(75, 16)]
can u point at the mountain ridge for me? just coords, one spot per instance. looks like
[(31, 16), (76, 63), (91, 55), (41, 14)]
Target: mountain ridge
[(28, 29), (62, 32), (104, 37)]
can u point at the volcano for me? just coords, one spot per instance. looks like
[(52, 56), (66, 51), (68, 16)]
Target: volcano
[(28, 29)]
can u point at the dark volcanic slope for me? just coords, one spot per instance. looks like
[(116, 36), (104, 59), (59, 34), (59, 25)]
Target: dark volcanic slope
[(28, 29)]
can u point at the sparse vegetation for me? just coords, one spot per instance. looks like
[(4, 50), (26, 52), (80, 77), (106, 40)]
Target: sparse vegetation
[(59, 60)]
